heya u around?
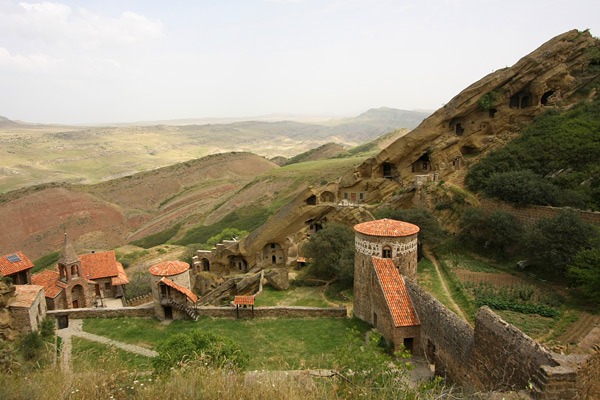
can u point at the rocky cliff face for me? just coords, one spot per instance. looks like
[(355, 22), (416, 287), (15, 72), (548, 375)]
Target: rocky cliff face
[(7, 292), (483, 116)]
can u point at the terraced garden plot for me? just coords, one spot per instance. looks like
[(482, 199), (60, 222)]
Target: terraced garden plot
[(578, 330)]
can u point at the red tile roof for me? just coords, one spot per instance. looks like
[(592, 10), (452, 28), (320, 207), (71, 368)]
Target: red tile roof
[(121, 278), (387, 227), (99, 265), (25, 295), (179, 288), (169, 268), (9, 268), (243, 300), (395, 292), (301, 260), (49, 280)]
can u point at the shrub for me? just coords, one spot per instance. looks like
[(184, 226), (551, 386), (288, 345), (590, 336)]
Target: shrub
[(523, 188), (552, 243), (215, 350), (332, 252), (47, 328), (488, 101), (498, 232), (584, 271), (30, 345), (430, 232)]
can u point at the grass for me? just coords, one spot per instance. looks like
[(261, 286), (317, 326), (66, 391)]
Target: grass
[(458, 292), (45, 262), (157, 238), (293, 343), (306, 296), (533, 325), (87, 353), (429, 280)]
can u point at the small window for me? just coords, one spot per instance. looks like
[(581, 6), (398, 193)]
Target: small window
[(107, 286), (163, 290), (346, 196), (272, 245), (386, 253), (361, 196)]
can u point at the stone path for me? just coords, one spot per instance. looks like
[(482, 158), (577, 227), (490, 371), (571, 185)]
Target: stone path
[(76, 329), (427, 253)]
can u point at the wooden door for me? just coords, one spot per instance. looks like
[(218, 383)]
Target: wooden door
[(353, 197), (75, 304)]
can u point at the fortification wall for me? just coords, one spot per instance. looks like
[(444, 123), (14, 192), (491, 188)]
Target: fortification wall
[(502, 356), (215, 312), (144, 311), (446, 340), (497, 356), (530, 214)]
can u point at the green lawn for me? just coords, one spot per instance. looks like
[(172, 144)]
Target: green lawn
[(292, 343), (306, 296), (87, 353), (429, 280)]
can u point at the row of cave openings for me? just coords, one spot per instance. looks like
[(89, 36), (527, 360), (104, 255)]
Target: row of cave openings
[(520, 100)]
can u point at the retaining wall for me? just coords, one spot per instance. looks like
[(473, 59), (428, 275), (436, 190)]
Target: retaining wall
[(530, 214), (143, 311)]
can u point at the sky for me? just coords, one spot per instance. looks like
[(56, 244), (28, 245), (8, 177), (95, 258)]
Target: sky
[(103, 61)]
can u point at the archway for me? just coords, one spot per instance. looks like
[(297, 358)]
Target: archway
[(205, 264), (78, 296)]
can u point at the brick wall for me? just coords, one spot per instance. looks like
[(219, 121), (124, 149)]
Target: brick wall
[(526, 215)]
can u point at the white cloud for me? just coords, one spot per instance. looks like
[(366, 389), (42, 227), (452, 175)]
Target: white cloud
[(56, 25), (37, 63)]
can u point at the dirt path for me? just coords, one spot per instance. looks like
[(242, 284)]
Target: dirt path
[(76, 329), (427, 253)]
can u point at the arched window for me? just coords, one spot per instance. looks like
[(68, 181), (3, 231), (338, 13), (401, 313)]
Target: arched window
[(74, 270), (386, 252)]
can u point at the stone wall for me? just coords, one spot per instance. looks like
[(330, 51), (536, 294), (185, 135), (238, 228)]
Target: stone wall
[(497, 356), (446, 340), (502, 356), (526, 215), (215, 312), (138, 301), (143, 311)]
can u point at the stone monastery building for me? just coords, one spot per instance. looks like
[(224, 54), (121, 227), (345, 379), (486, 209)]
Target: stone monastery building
[(385, 255), (82, 281)]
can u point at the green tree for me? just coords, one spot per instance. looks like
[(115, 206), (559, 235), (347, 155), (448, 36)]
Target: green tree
[(498, 232), (331, 251), (215, 350), (523, 188), (584, 271), (430, 232), (553, 242)]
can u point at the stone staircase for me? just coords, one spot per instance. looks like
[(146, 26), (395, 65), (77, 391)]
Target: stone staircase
[(185, 308)]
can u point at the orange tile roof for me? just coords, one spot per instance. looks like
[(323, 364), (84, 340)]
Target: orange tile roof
[(243, 300), (301, 259), (179, 288), (9, 268), (99, 265), (395, 292), (49, 280), (25, 295), (121, 278), (387, 227), (169, 268)]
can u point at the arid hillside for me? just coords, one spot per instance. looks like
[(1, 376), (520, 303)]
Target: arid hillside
[(34, 154), (106, 214)]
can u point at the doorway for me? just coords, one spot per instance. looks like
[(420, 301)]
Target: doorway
[(168, 312), (408, 344)]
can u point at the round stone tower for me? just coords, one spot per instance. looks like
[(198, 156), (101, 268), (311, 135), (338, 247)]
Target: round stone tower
[(177, 272), (384, 238)]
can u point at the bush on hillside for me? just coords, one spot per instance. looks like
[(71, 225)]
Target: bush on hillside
[(552, 243), (497, 232), (331, 251), (523, 188), (584, 271), (562, 146)]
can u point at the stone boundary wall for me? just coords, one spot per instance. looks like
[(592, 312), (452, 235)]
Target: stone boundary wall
[(144, 311), (446, 340), (497, 356), (530, 214), (274, 312), (138, 301), (215, 312)]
